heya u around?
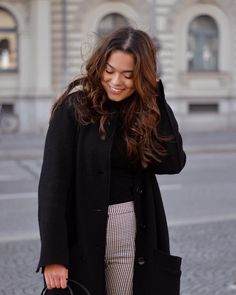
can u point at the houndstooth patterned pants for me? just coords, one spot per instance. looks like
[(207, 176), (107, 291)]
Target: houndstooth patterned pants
[(120, 249)]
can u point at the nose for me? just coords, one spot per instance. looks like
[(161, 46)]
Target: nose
[(116, 79)]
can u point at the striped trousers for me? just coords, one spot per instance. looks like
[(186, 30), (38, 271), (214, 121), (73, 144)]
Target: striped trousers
[(120, 249)]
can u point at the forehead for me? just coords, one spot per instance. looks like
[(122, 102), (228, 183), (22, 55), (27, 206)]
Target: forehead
[(121, 60)]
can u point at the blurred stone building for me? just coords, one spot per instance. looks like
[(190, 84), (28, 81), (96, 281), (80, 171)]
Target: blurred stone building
[(44, 42)]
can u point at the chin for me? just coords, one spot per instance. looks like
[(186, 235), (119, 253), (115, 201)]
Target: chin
[(116, 98)]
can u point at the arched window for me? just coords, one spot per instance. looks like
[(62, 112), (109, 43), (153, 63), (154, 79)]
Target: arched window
[(111, 22), (203, 44), (8, 41)]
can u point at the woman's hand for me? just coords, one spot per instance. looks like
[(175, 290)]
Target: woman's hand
[(56, 276)]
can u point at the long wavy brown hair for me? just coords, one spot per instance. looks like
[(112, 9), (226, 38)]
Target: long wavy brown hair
[(141, 114)]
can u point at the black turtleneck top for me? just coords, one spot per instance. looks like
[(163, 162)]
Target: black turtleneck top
[(122, 169)]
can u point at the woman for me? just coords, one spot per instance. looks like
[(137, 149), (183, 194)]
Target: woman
[(101, 215)]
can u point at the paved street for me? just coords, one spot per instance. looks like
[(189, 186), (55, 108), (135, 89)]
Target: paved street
[(200, 205)]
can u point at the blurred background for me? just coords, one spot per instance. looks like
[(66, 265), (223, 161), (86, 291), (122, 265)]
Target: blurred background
[(43, 44)]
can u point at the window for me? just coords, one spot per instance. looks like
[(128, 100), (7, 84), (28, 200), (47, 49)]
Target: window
[(203, 44), (196, 108), (8, 41), (111, 22)]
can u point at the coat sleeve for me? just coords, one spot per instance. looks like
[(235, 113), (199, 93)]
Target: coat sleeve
[(175, 159), (54, 186)]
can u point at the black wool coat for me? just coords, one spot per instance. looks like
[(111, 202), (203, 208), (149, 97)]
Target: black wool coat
[(74, 198)]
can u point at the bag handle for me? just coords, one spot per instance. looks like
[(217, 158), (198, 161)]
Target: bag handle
[(86, 291)]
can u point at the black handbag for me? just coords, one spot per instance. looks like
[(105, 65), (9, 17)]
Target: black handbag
[(86, 291)]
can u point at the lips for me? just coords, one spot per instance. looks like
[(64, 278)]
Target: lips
[(115, 90)]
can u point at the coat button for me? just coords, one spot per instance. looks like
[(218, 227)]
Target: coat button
[(98, 210), (139, 190), (141, 261)]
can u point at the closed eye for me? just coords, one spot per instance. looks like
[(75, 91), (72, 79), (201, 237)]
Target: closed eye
[(128, 77), (109, 71)]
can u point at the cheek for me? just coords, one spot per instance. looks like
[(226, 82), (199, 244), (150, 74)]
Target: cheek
[(103, 77), (130, 85)]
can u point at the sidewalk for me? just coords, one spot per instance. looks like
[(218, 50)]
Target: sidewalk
[(30, 146), (210, 141), (21, 146)]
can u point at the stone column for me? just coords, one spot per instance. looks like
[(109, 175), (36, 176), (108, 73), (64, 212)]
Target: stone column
[(41, 62), (41, 46)]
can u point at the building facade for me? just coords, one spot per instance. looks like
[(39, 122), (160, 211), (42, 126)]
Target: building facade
[(43, 44)]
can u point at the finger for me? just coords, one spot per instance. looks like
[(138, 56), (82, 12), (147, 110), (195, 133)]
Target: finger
[(47, 281), (57, 282), (63, 282), (64, 279), (52, 283)]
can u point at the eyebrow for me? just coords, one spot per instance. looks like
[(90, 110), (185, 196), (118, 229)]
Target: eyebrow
[(126, 71)]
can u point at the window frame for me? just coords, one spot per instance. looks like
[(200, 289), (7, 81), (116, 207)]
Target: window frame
[(217, 36), (15, 31), (101, 34)]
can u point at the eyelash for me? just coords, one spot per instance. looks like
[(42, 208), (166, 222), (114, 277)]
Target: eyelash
[(110, 72)]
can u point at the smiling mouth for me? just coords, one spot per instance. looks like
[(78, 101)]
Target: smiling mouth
[(115, 90)]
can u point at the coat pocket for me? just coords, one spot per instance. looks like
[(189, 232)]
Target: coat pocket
[(166, 273)]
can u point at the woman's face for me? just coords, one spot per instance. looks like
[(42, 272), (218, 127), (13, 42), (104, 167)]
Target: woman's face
[(117, 78)]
